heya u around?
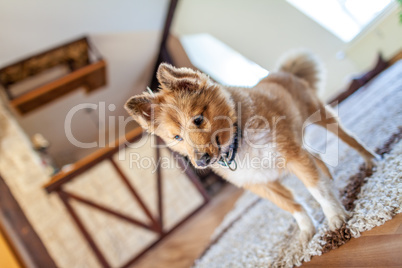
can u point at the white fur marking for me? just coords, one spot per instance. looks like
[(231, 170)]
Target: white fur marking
[(304, 221), (331, 206)]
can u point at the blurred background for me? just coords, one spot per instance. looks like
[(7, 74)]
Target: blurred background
[(77, 62)]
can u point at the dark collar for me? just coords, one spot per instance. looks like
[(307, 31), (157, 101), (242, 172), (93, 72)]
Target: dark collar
[(227, 160)]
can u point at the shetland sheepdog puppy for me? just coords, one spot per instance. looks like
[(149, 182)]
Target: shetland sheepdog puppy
[(250, 136)]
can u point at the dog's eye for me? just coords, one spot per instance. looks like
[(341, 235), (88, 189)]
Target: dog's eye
[(177, 137), (198, 120)]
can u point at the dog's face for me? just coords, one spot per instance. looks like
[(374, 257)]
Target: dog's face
[(191, 113)]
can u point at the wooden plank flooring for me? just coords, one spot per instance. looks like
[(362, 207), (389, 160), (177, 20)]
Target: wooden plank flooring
[(379, 247)]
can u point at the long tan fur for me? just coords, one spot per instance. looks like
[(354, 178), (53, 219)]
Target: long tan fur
[(199, 118)]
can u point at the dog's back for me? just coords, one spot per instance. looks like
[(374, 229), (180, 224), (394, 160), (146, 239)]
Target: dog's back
[(301, 74)]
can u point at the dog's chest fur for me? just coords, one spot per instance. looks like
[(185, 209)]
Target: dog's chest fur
[(258, 161)]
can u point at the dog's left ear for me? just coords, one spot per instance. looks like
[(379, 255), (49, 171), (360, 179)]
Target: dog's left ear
[(172, 78), (142, 109)]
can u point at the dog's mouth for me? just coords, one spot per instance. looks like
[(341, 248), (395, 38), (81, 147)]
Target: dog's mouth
[(212, 158), (225, 155)]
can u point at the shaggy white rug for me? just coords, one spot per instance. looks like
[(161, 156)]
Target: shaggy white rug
[(258, 234)]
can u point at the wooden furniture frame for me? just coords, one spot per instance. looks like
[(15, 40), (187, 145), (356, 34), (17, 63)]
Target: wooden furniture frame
[(156, 223), (84, 73)]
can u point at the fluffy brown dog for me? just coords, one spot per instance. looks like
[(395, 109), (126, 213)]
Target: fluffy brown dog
[(250, 136)]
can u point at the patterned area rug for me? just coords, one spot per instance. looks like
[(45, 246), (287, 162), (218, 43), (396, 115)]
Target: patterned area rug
[(258, 234)]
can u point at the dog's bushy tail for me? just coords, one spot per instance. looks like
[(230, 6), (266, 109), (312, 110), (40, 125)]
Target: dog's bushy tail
[(304, 65)]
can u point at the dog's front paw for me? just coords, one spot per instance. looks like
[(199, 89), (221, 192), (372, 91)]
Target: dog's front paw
[(336, 222), (306, 226), (306, 235)]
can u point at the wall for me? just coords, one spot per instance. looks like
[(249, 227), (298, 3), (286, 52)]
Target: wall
[(263, 30), (28, 27), (130, 58), (386, 37), (126, 33)]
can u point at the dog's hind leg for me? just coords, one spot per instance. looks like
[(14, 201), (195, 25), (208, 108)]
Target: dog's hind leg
[(302, 164), (283, 198), (332, 123)]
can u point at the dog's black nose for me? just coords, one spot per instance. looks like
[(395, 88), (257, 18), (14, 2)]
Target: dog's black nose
[(204, 160)]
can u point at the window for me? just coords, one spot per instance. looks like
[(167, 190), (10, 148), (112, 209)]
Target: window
[(344, 18)]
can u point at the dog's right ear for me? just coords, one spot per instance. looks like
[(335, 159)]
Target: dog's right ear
[(141, 108)]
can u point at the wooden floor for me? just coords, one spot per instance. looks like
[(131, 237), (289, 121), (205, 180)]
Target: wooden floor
[(379, 247)]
